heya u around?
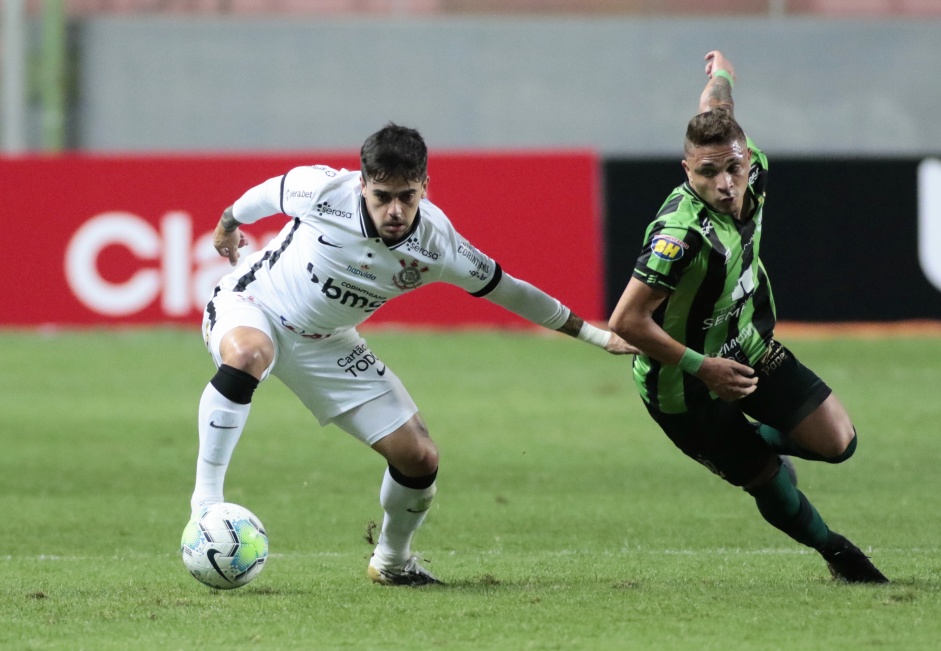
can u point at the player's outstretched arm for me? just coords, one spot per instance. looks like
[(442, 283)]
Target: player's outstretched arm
[(718, 90), (577, 327), (536, 306)]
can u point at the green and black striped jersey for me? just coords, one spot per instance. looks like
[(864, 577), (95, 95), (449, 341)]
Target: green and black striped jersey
[(719, 302)]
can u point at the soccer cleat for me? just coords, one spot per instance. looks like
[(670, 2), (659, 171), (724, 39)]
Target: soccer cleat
[(788, 466), (410, 573), (849, 564)]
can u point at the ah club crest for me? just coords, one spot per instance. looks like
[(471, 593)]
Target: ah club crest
[(410, 275)]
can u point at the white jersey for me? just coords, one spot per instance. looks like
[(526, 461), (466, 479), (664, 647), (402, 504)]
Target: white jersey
[(328, 269)]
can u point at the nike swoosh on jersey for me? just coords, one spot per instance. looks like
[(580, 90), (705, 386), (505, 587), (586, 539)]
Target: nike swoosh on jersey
[(326, 243), (212, 423), (381, 371)]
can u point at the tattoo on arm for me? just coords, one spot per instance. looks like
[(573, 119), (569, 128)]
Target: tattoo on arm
[(720, 94), (227, 221), (572, 326)]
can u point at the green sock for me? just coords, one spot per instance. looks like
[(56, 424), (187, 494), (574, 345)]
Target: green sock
[(788, 509), (781, 444)]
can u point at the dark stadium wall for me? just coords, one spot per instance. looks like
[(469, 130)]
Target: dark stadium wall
[(841, 237)]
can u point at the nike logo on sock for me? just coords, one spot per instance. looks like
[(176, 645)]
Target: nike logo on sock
[(212, 423)]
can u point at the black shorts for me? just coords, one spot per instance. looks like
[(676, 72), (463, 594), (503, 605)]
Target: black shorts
[(720, 435)]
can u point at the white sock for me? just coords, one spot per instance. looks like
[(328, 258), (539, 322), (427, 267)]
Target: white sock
[(220, 425), (405, 510)]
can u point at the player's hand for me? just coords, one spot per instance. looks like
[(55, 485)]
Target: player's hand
[(727, 378), (229, 243), (617, 346), (716, 61)]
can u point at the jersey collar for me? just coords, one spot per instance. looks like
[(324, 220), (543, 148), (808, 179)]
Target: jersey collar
[(369, 229)]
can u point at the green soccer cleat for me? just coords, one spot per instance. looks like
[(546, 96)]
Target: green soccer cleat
[(410, 573), (849, 564)]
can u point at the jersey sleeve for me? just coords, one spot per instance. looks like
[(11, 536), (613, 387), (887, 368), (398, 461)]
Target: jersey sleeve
[(667, 252), (481, 276), (301, 189), (529, 302), (469, 268), (260, 201)]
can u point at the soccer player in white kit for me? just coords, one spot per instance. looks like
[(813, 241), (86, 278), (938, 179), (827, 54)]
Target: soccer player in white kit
[(355, 241)]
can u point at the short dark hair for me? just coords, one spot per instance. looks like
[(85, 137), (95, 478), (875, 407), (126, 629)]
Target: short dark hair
[(394, 152), (715, 127)]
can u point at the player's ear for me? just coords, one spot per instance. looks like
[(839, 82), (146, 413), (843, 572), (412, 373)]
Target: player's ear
[(362, 184), (424, 187)]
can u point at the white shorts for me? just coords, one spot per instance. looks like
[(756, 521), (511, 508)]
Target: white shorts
[(338, 378)]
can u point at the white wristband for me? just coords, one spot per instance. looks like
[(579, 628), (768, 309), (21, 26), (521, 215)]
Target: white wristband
[(594, 335)]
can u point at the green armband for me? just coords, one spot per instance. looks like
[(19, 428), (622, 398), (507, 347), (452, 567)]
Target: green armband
[(725, 74), (691, 361)]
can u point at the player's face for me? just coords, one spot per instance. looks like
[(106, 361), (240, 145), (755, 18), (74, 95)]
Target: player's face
[(393, 204), (719, 174)]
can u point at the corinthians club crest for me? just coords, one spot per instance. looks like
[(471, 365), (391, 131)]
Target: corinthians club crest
[(410, 275)]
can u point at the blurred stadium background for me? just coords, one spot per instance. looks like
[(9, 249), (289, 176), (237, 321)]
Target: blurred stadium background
[(128, 125)]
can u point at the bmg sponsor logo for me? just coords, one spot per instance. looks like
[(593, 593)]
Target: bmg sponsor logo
[(347, 293)]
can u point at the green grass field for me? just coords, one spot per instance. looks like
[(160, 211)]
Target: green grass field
[(564, 519)]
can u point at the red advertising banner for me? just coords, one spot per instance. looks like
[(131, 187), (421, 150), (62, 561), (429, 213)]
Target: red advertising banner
[(114, 240)]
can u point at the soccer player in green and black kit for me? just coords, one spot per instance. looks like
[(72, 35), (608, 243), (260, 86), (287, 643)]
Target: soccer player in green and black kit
[(699, 306)]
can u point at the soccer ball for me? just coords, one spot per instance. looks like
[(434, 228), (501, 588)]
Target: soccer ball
[(225, 547)]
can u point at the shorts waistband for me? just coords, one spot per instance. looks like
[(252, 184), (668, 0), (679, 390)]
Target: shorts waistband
[(303, 333)]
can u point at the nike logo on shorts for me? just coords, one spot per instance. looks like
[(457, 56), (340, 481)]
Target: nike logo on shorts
[(326, 243)]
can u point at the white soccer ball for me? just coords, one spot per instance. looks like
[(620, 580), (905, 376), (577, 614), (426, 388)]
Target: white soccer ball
[(225, 547)]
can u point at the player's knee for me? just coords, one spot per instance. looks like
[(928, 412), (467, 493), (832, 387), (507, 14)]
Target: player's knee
[(419, 460), (252, 359), (410, 450), (842, 447), (417, 468)]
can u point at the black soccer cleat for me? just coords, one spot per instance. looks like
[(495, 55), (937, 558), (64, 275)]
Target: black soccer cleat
[(849, 564), (410, 573)]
